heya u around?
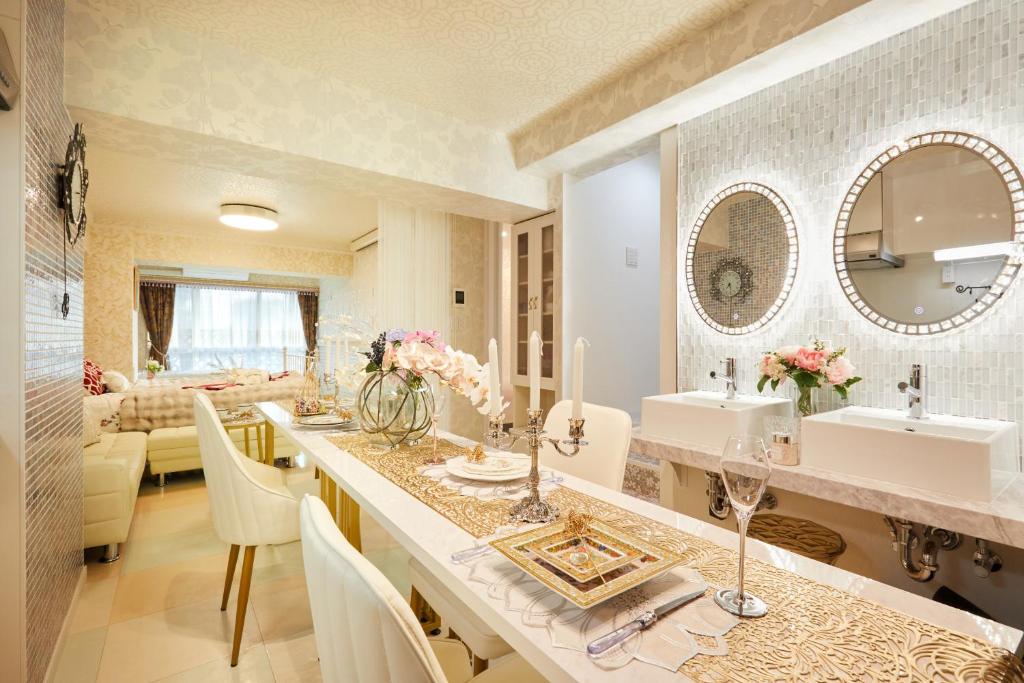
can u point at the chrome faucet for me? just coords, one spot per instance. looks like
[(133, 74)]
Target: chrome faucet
[(729, 377), (915, 391)]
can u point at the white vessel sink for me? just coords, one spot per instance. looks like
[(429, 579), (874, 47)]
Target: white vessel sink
[(951, 455), (706, 419)]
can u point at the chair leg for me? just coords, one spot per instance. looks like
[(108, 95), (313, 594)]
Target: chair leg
[(232, 559), (479, 665), (243, 601), (161, 480)]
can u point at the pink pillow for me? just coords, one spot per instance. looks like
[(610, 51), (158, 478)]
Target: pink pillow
[(92, 377)]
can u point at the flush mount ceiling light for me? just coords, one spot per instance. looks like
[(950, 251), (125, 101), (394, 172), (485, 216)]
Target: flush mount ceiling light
[(248, 217)]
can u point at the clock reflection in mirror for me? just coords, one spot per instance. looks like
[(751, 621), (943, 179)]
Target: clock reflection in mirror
[(741, 258)]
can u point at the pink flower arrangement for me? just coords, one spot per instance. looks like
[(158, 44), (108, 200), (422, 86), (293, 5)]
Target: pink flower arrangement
[(810, 367), (421, 353)]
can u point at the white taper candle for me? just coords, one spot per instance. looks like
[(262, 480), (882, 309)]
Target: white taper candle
[(495, 378), (535, 371), (577, 379)]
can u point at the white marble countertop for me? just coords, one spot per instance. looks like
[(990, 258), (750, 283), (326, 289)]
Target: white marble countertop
[(1000, 521), (431, 539)]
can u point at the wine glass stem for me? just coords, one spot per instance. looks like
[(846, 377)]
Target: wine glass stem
[(742, 520)]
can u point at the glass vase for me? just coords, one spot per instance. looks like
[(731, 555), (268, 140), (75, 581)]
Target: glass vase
[(804, 402), (395, 407)]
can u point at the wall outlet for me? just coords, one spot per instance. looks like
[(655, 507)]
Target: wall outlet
[(949, 274), (632, 257)]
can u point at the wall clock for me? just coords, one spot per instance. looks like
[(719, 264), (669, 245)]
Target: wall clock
[(72, 185), (732, 280)]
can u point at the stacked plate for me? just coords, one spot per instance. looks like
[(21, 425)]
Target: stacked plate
[(326, 421), (494, 468)]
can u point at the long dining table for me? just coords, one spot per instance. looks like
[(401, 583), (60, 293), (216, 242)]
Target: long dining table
[(431, 538)]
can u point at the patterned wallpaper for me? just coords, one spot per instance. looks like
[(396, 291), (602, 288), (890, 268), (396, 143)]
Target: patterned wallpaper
[(53, 350), (809, 138), (468, 322), (112, 252), (516, 59), (753, 29), (124, 63)]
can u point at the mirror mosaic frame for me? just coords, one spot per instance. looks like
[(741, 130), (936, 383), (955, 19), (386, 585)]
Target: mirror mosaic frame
[(1012, 180), (791, 265)]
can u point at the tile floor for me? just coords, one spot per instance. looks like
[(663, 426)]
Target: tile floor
[(155, 614)]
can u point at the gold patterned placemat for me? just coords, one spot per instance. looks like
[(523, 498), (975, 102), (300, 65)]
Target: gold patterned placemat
[(812, 632)]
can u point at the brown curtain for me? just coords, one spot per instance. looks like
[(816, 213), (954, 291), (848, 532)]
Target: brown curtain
[(309, 307), (156, 300)]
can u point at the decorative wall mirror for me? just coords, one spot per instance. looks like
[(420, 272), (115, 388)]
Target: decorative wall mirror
[(741, 258), (926, 238)]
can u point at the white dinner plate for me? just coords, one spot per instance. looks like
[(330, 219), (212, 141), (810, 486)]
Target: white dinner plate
[(456, 467), (323, 421)]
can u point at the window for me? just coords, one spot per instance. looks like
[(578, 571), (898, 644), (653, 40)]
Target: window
[(232, 327)]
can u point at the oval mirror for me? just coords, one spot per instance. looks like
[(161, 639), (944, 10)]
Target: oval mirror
[(925, 236), (741, 258)]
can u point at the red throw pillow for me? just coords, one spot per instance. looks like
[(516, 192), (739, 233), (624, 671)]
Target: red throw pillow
[(92, 377)]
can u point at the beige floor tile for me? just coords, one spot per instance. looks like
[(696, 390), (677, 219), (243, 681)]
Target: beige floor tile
[(282, 609), (100, 571), (168, 586), (160, 521), (173, 641), (253, 667), (146, 553), (295, 659), (80, 657), (92, 609)]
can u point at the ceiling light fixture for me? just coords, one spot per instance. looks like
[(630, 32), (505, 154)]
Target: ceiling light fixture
[(248, 217)]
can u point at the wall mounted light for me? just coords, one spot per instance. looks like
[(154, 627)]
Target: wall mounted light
[(248, 217)]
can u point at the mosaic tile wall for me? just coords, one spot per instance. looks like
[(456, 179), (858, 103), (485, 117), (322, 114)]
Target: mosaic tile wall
[(53, 350), (757, 236), (809, 138)]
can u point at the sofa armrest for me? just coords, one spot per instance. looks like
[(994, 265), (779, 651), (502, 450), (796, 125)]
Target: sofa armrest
[(107, 490)]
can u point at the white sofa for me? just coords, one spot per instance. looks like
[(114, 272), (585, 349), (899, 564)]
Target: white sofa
[(176, 449), (113, 468)]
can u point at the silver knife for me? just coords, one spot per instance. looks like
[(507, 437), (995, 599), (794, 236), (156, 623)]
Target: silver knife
[(641, 623)]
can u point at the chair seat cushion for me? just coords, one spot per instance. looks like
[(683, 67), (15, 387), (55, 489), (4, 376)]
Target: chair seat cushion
[(480, 638)]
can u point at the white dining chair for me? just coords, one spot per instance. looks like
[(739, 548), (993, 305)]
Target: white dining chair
[(608, 432), (249, 503), (365, 632)]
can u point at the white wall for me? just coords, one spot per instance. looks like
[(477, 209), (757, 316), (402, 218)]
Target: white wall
[(614, 307)]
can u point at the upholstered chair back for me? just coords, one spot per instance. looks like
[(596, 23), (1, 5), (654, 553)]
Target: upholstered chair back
[(603, 460), (249, 502), (365, 631)]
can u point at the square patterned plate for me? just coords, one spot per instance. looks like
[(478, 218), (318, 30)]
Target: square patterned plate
[(606, 549), (625, 562)]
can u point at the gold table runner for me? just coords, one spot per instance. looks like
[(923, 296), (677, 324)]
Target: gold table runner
[(812, 632)]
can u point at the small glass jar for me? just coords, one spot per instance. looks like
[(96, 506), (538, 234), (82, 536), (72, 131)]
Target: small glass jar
[(783, 450)]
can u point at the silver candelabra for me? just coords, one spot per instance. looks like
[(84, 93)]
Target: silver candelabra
[(533, 509)]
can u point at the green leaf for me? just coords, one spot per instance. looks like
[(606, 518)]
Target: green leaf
[(805, 379), (775, 384), (841, 390), (761, 382), (853, 380), (371, 367)]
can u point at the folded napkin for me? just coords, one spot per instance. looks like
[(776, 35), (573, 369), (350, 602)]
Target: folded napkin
[(212, 387), (279, 375)]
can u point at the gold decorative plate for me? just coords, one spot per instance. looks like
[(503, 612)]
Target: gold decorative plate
[(544, 554)]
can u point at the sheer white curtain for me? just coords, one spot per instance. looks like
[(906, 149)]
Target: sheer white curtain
[(224, 326), (414, 275)]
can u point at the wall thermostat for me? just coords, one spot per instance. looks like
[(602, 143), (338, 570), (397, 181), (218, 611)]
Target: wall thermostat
[(460, 297)]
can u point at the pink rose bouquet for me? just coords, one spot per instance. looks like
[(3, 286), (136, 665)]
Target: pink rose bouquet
[(810, 367)]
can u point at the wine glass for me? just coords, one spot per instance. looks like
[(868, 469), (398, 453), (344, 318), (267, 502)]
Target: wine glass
[(440, 391), (745, 467)]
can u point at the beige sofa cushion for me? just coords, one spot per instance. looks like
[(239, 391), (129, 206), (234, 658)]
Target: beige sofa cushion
[(176, 449), (113, 468)]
